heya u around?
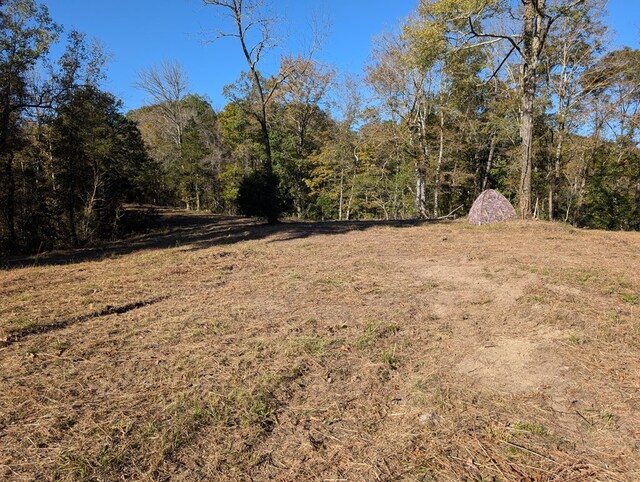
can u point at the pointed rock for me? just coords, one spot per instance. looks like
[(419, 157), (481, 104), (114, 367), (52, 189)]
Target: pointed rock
[(491, 207)]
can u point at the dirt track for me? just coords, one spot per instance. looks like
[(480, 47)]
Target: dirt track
[(332, 351)]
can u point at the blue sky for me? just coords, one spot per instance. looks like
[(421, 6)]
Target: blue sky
[(142, 33)]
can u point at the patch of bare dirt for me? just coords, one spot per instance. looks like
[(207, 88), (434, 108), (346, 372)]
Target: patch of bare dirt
[(515, 365)]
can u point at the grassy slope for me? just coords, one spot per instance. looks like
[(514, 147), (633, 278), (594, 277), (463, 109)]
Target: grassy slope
[(222, 350)]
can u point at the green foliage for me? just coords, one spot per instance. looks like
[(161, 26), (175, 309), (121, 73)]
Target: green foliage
[(230, 180), (100, 162), (69, 166), (241, 132), (26, 34), (441, 23), (260, 195), (611, 200), (191, 169)]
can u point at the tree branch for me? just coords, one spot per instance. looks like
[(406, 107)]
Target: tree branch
[(495, 72), (494, 36)]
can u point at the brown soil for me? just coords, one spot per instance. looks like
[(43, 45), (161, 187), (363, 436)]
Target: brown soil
[(219, 349)]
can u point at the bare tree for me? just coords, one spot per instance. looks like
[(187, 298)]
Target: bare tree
[(248, 18), (167, 84), (254, 29)]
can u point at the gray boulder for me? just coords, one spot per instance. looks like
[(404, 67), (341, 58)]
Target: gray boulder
[(491, 207)]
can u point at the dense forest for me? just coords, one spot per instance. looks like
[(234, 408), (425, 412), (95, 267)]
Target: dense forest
[(525, 96)]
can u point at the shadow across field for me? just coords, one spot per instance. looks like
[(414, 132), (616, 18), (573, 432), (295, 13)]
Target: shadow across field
[(200, 231)]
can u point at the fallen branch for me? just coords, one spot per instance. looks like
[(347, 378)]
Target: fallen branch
[(451, 213)]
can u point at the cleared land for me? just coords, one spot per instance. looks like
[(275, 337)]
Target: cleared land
[(223, 350)]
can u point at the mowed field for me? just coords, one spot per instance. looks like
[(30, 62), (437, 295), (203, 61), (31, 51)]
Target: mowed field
[(219, 349)]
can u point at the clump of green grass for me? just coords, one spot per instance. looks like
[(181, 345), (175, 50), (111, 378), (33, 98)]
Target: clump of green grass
[(328, 283), (313, 345), (367, 338), (598, 420), (189, 413), (118, 448), (529, 427), (390, 359), (250, 408), (60, 345), (481, 301), (387, 330), (73, 467), (540, 270), (214, 327), (22, 326), (608, 418), (536, 299), (630, 298), (583, 276), (22, 321), (576, 340), (374, 331), (296, 372)]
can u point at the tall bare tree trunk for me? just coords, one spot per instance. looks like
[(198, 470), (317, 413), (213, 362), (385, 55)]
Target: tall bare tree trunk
[(350, 201), (554, 185), (421, 170), (395, 194), (487, 170), (581, 192), (436, 190), (533, 40), (526, 134), (572, 194), (421, 192), (563, 106), (341, 200), (353, 183), (85, 222), (268, 163)]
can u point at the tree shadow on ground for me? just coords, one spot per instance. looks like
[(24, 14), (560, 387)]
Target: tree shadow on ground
[(201, 231)]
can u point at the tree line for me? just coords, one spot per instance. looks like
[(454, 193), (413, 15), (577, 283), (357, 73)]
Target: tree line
[(522, 96), (69, 157)]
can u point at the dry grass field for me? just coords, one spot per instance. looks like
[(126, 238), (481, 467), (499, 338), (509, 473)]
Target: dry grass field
[(219, 349)]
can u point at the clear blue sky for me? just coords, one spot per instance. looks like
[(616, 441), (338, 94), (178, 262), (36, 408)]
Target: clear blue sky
[(142, 33)]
